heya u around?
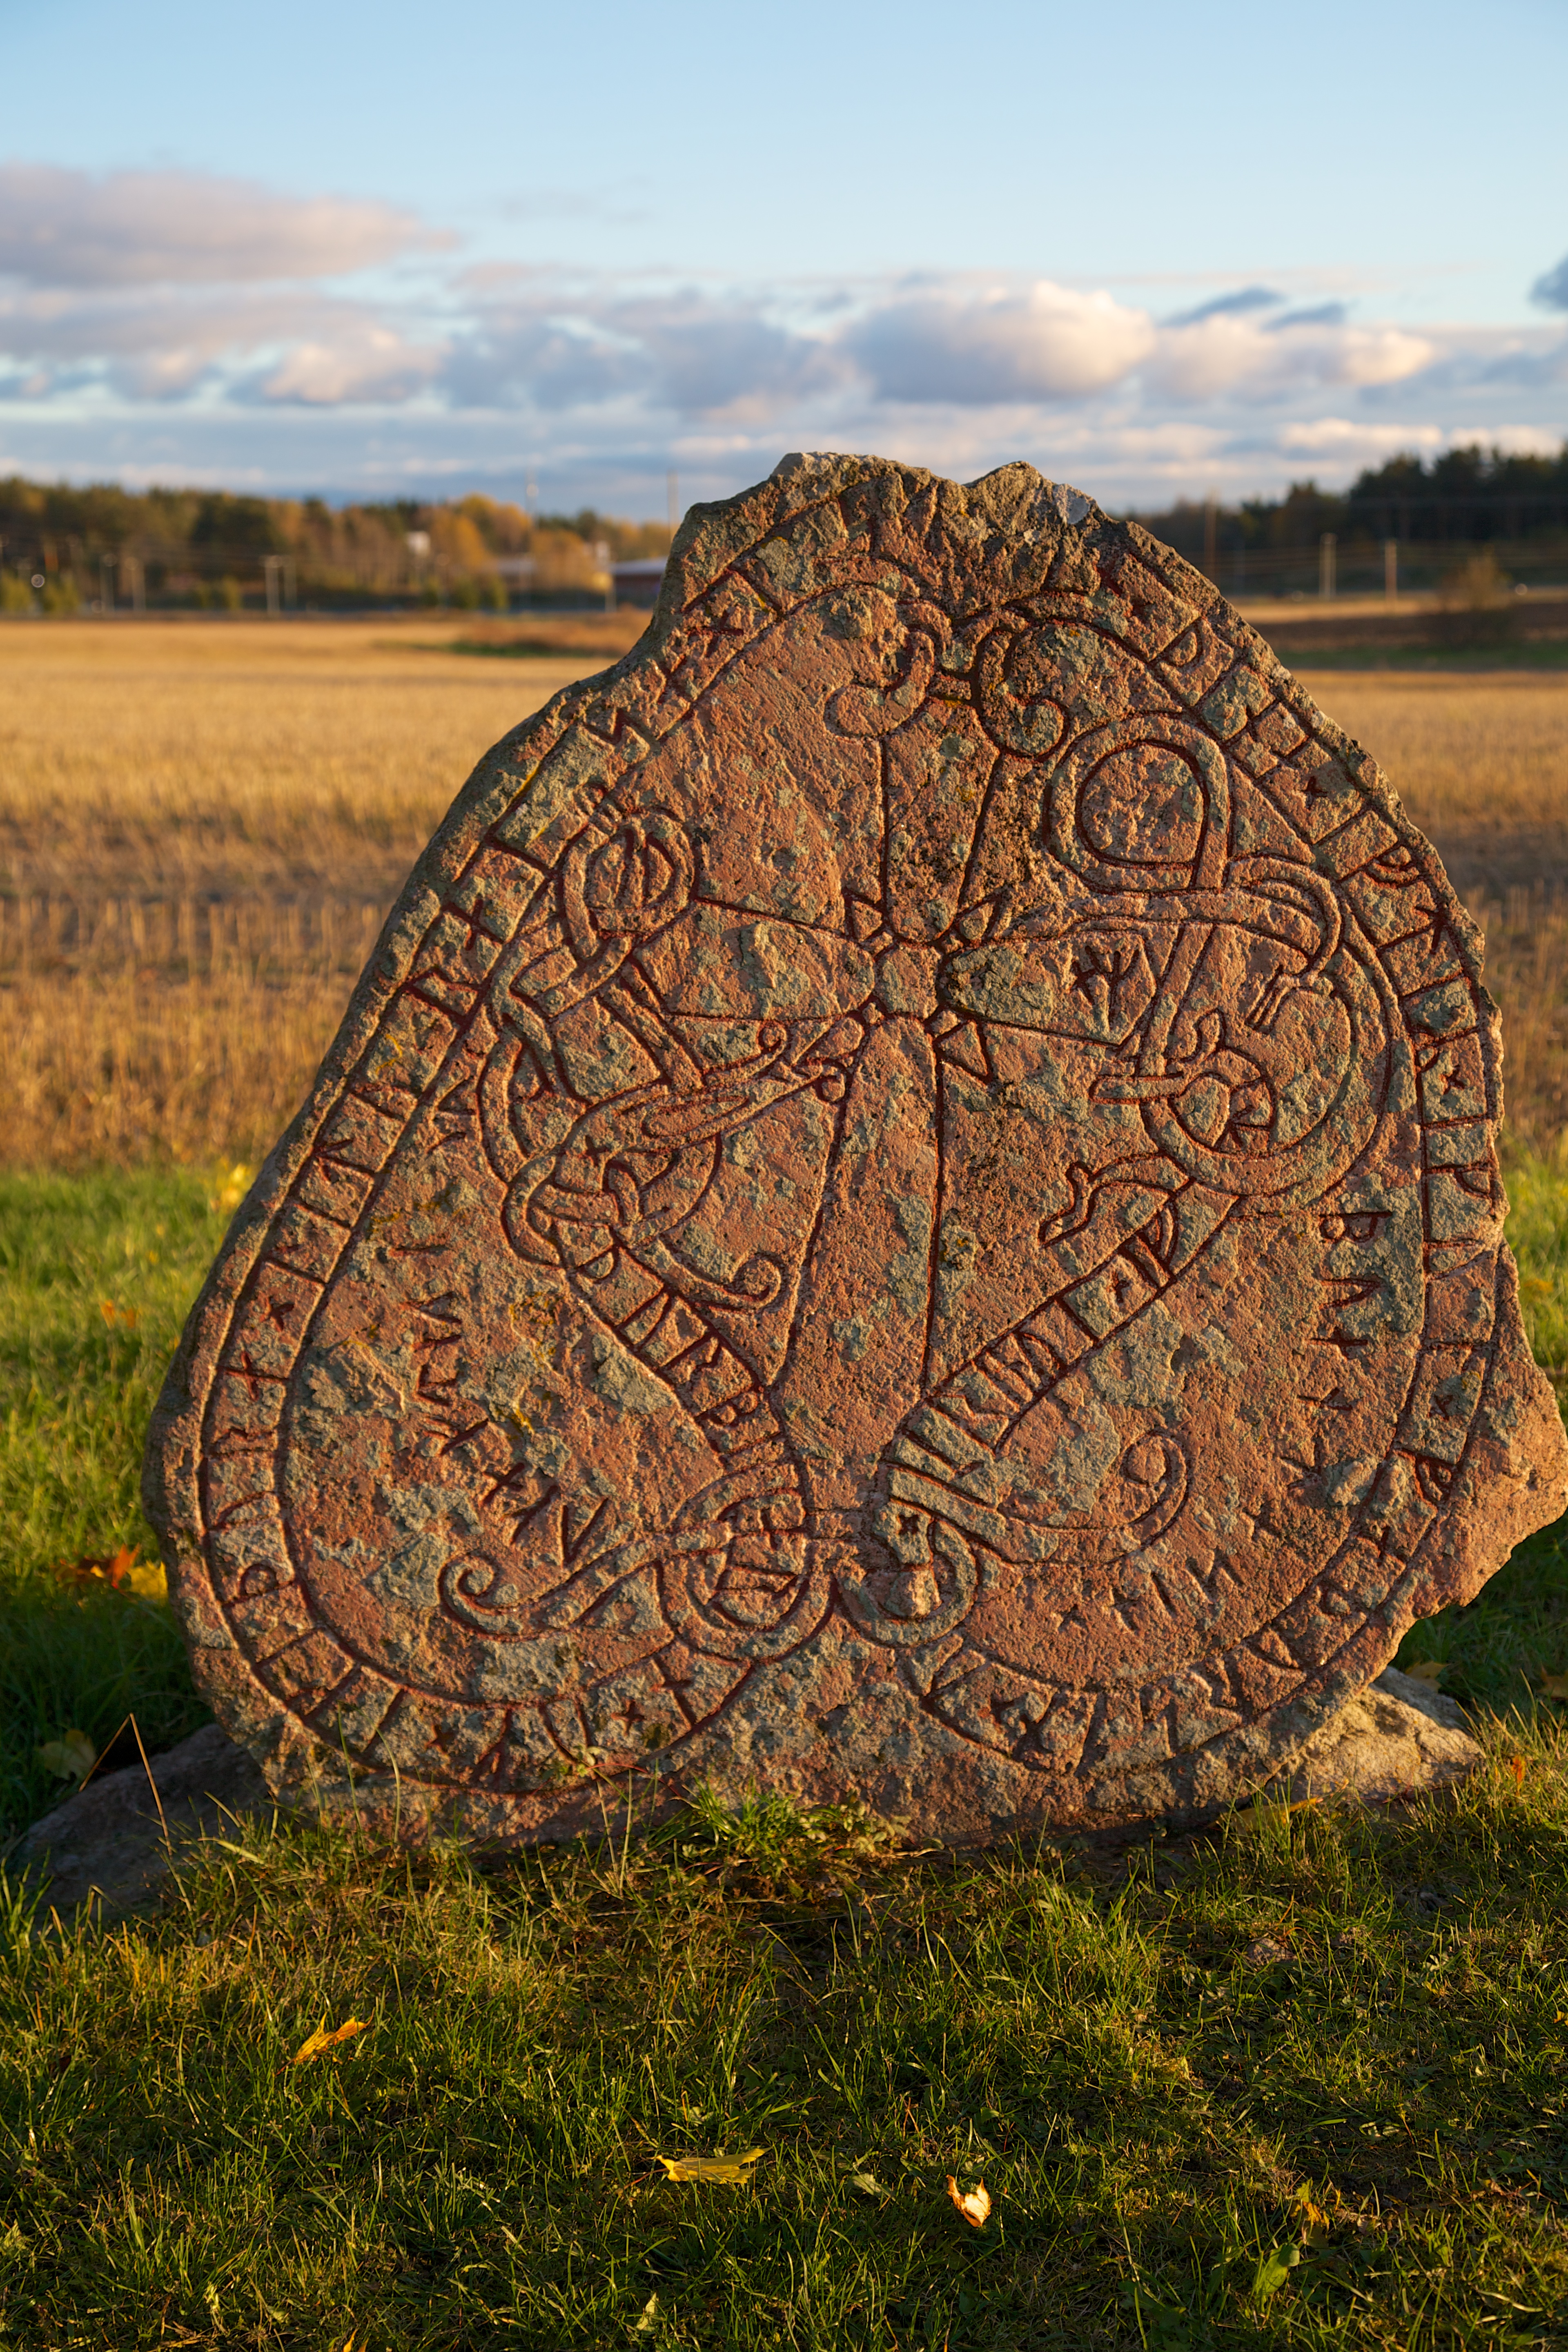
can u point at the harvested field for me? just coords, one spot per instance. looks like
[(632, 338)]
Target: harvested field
[(1482, 764), (202, 826), (201, 830)]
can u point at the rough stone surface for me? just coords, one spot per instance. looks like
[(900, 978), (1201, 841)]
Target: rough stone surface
[(905, 1210), (1399, 1738), (108, 1841)]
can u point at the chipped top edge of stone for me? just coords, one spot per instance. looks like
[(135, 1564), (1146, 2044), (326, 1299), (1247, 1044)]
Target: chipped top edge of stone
[(702, 548), (1071, 506)]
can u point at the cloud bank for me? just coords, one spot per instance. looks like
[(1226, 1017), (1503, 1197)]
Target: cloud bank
[(64, 229), (130, 301)]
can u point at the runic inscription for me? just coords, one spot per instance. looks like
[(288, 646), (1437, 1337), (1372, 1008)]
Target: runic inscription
[(907, 1209)]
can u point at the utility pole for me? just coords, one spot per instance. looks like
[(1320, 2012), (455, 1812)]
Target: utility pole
[(1211, 538), (1328, 546), (1390, 571), (138, 583), (106, 581), (673, 486), (272, 565)]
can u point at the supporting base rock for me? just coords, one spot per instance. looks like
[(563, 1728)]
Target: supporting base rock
[(108, 1840), (1399, 1738)]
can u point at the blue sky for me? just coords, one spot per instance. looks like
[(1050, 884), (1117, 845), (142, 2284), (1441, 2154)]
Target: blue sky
[(378, 250)]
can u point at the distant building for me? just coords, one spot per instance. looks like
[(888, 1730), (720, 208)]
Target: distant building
[(519, 572), (636, 581)]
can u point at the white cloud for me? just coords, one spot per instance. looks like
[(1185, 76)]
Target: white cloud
[(708, 360), (1041, 342), (1369, 355), (1241, 356), (1213, 355), (60, 228), (362, 363), (1517, 440), (149, 307), (272, 343)]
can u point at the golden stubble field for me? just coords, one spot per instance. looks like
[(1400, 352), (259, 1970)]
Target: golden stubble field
[(202, 827), (201, 830)]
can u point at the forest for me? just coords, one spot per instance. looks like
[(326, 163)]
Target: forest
[(65, 546), (1437, 512)]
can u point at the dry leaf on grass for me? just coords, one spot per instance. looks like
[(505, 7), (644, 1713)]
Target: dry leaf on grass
[(711, 2167), (1426, 1670), (975, 2204), (145, 1580), (322, 2040), (1554, 1685), (1316, 2222), (69, 1757), (1516, 1765)]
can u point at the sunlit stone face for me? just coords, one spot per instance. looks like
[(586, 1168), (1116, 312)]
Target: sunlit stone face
[(908, 1213)]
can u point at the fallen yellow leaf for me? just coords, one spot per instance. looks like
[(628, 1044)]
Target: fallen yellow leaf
[(1316, 2222), (322, 2040), (147, 1578), (144, 1578), (711, 2167), (70, 1757), (1555, 1685), (1426, 1670), (975, 2204)]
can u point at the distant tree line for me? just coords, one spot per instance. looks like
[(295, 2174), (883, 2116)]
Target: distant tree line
[(64, 547), (1438, 510)]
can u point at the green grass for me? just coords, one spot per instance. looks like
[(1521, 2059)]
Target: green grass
[(96, 1273), (1304, 2089), (1338, 2037)]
